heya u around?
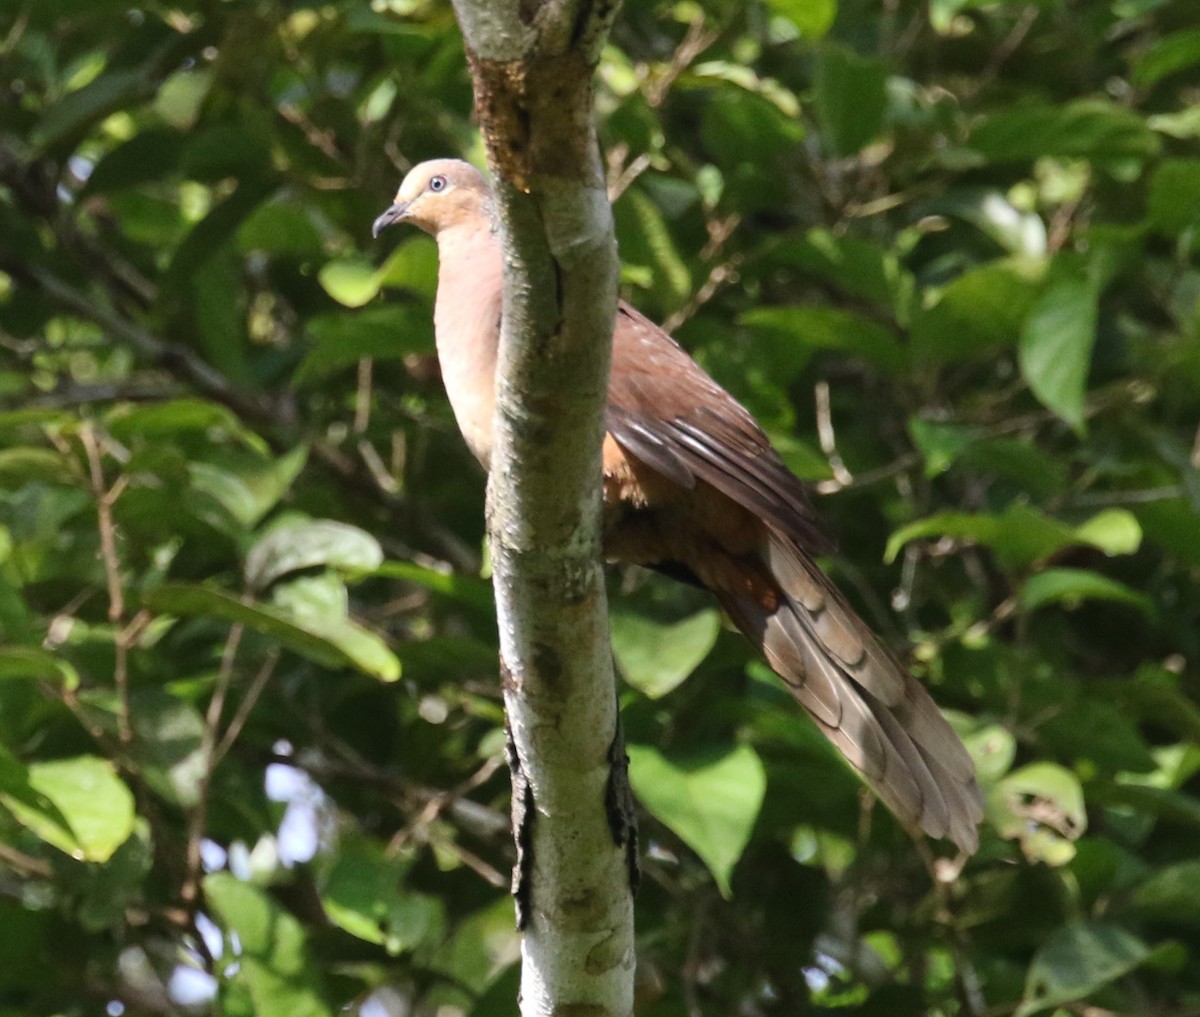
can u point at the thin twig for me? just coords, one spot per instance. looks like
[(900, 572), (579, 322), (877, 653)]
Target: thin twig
[(105, 499), (190, 890), (23, 864), (238, 721), (842, 477)]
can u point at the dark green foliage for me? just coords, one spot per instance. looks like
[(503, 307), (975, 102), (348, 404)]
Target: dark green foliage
[(250, 729)]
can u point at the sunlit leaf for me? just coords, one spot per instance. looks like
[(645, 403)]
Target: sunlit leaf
[(333, 642), (274, 963), (1072, 586), (710, 801), (656, 657), (1055, 351), (95, 803), (303, 544)]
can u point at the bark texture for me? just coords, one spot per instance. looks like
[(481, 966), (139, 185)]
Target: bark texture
[(533, 66)]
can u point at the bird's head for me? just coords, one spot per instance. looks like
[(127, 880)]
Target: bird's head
[(436, 195)]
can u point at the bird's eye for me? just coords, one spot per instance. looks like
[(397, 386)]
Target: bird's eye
[(438, 183)]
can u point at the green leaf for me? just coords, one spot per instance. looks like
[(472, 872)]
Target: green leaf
[(1041, 806), (333, 642), (304, 544), (940, 444), (350, 281), (812, 18), (170, 419), (215, 232), (1171, 895), (849, 97), (993, 749), (830, 329), (672, 279), (655, 657), (87, 793), (76, 110), (248, 486), (1056, 346), (33, 662), (857, 267), (1072, 586), (1020, 233), (1174, 203), (363, 894), (1077, 960), (1022, 535), (981, 311), (168, 738), (387, 332), (1168, 55), (1085, 128), (279, 229), (711, 801), (274, 964)]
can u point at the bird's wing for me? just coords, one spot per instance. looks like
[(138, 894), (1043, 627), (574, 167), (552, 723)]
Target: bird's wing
[(665, 410)]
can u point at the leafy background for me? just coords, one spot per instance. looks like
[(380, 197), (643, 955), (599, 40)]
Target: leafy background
[(249, 723)]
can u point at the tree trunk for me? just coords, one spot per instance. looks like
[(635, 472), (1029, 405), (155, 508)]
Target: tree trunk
[(533, 69)]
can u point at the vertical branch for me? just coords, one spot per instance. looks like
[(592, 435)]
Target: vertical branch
[(532, 67)]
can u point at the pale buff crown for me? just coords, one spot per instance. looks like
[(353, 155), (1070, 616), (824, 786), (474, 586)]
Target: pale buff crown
[(438, 195)]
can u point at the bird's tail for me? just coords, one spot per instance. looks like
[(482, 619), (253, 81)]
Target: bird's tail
[(861, 697)]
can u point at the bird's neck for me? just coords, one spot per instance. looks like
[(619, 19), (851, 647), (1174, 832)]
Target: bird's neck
[(467, 328)]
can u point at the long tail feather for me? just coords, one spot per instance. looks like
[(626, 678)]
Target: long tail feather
[(861, 697)]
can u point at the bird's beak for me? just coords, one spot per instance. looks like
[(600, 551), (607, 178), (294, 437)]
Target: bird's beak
[(394, 214)]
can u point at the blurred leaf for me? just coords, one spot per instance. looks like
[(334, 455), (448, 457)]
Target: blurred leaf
[(1113, 531), (303, 544), (1171, 895), (350, 281), (390, 332), (1041, 806), (710, 801), (673, 281), (87, 793), (216, 231), (1019, 233), (993, 748), (812, 18), (280, 229), (830, 329), (169, 735), (1021, 535), (980, 311), (147, 156), (940, 444), (849, 98), (655, 657), (1174, 204), (364, 894), (33, 662), (274, 963), (1077, 960), (1070, 587), (1056, 346), (76, 110), (1088, 128), (248, 487), (332, 642), (1168, 55), (857, 267)]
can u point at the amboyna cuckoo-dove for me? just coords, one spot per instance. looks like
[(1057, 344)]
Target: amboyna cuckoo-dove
[(693, 487)]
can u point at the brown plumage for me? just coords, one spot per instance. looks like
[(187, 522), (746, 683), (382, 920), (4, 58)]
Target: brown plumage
[(693, 487)]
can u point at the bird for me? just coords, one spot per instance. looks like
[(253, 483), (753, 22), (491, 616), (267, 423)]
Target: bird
[(692, 487)]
